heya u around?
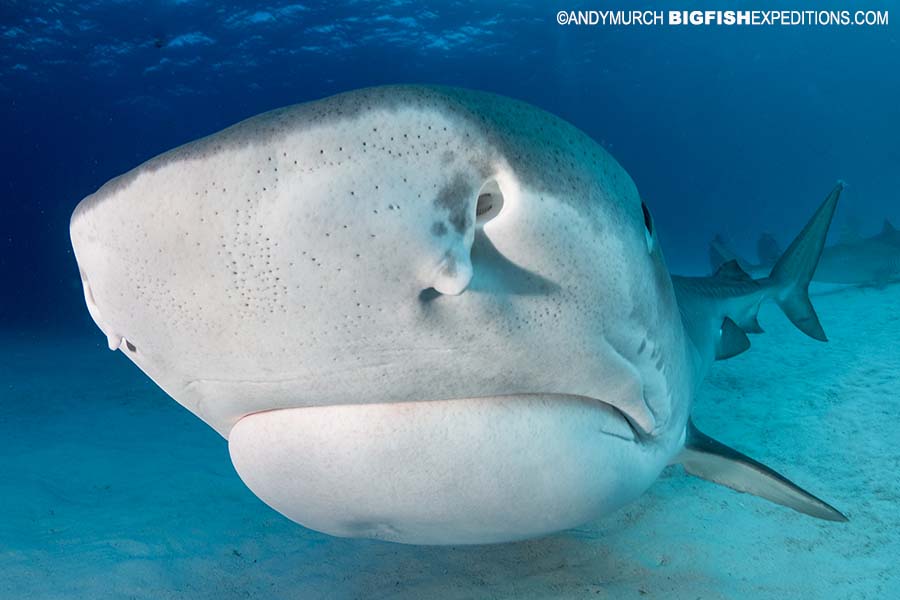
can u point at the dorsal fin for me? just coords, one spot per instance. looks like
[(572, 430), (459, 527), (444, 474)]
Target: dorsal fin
[(732, 271), (719, 253), (768, 250), (732, 340), (708, 459), (888, 228)]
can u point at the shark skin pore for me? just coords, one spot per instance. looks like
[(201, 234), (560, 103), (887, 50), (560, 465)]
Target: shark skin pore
[(426, 315)]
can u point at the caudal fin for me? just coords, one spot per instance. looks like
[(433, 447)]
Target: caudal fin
[(792, 273)]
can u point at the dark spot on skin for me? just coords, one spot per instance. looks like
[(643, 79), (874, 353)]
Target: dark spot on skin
[(131, 347), (454, 198), (438, 229)]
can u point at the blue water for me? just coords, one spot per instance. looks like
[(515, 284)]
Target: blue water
[(734, 130), (731, 130)]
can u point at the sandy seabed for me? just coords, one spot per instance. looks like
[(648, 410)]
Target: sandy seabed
[(109, 489)]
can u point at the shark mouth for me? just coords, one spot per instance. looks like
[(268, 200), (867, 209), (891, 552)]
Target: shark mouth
[(624, 403), (613, 421), (616, 423)]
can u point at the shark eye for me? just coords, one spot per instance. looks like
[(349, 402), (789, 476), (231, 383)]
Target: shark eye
[(648, 227)]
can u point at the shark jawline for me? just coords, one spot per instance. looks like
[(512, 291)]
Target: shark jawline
[(634, 432)]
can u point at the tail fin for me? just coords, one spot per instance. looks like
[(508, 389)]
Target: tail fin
[(767, 249), (794, 270)]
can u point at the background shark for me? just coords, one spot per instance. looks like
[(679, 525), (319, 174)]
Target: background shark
[(427, 315), (854, 260)]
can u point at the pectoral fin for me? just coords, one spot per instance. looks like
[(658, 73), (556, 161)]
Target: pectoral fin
[(732, 340), (708, 459)]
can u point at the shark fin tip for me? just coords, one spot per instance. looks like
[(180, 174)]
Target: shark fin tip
[(712, 460)]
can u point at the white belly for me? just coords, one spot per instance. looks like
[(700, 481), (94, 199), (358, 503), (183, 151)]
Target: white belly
[(444, 472)]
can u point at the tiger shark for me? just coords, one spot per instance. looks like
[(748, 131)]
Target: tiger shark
[(854, 260), (426, 315)]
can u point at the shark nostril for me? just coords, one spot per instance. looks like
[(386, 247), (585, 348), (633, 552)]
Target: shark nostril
[(490, 201), (131, 347), (485, 203)]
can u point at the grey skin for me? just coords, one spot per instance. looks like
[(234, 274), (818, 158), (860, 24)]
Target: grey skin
[(854, 260)]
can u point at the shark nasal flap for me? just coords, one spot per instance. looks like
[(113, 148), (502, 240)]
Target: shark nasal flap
[(788, 286)]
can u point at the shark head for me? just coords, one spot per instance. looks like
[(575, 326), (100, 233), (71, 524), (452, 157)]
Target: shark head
[(420, 314)]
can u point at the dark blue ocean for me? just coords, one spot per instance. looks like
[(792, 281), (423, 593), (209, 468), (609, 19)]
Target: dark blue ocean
[(733, 131), (722, 129)]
